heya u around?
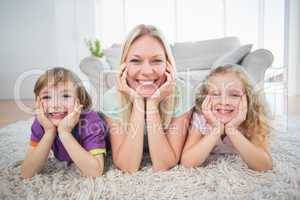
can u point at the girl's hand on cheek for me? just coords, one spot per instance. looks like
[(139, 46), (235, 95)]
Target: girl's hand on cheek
[(166, 89), (42, 118), (240, 117), (209, 115), (69, 122), (123, 86)]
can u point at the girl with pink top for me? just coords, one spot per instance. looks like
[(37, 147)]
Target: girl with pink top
[(229, 117)]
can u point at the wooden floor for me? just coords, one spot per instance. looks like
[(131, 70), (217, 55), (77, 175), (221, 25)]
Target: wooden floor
[(12, 112)]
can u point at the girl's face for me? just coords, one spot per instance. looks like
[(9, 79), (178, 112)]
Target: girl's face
[(226, 91), (146, 65), (58, 101)]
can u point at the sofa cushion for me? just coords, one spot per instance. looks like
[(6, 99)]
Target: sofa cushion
[(233, 57), (201, 55), (193, 77)]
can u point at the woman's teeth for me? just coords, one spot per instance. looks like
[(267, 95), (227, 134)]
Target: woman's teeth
[(146, 82)]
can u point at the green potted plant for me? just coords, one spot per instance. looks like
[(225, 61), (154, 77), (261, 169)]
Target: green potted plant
[(96, 61), (95, 48)]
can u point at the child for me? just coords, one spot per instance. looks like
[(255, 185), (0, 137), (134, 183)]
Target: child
[(73, 136), (230, 118)]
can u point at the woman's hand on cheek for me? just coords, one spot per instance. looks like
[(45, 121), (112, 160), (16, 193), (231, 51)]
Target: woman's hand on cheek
[(207, 111), (166, 89), (124, 87), (42, 118), (69, 122), (240, 117)]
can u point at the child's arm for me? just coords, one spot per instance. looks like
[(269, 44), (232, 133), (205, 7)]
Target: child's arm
[(90, 165), (198, 145), (36, 157), (256, 156)]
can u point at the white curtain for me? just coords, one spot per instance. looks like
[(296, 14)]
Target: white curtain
[(293, 48)]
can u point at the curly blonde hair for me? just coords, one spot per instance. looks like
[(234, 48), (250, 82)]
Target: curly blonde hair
[(256, 125)]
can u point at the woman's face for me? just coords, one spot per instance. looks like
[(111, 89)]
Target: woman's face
[(226, 91), (58, 101), (146, 65)]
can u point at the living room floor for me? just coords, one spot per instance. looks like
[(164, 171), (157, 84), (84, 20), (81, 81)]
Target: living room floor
[(10, 111)]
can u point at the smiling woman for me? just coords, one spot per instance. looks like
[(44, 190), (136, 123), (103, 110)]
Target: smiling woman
[(149, 109)]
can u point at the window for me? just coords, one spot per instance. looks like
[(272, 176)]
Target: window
[(259, 22)]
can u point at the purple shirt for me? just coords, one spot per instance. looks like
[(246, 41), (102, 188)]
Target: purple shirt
[(89, 132)]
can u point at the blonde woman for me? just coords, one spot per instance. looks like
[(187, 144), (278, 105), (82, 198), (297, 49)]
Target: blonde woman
[(229, 117), (149, 108)]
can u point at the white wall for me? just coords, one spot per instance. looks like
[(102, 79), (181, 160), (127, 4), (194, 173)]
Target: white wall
[(294, 49), (39, 34)]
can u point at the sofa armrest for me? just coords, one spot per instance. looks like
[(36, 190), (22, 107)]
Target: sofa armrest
[(99, 75), (256, 64)]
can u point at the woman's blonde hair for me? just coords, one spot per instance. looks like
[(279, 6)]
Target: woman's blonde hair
[(169, 104), (256, 125), (59, 75)]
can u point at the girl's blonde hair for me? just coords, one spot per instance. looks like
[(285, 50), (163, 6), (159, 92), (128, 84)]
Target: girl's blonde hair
[(61, 75), (256, 125), (169, 104)]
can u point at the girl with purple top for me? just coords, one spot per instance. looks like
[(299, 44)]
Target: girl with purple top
[(60, 125), (229, 117)]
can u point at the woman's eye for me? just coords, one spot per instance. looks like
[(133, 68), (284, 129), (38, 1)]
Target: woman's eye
[(235, 95), (157, 61), (135, 61)]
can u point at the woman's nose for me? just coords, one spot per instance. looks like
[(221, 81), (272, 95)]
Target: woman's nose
[(146, 68)]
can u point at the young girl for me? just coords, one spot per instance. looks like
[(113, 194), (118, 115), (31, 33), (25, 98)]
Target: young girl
[(73, 136), (230, 118)]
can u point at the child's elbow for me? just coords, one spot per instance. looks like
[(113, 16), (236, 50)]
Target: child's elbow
[(25, 174), (188, 163), (266, 166)]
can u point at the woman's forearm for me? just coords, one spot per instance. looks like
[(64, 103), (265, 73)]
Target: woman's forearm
[(37, 156), (129, 155), (255, 157), (163, 156)]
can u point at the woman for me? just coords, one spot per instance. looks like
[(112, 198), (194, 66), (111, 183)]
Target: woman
[(148, 108)]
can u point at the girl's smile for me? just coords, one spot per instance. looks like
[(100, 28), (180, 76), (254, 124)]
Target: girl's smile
[(226, 91), (58, 101)]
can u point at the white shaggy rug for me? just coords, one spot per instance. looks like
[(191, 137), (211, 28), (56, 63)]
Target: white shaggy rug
[(224, 178)]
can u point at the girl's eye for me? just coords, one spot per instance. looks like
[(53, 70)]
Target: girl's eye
[(66, 96), (215, 94), (46, 97)]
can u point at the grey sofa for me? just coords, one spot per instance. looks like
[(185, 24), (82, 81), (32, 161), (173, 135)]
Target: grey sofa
[(194, 60)]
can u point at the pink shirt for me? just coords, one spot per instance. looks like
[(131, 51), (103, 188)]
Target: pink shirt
[(223, 146)]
